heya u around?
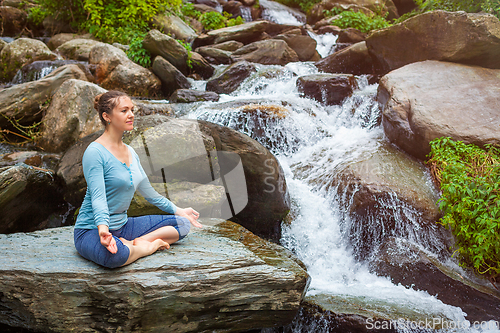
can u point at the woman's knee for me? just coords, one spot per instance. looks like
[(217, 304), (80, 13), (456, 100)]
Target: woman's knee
[(183, 226)]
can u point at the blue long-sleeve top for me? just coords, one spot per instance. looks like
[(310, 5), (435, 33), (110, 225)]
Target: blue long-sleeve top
[(111, 185)]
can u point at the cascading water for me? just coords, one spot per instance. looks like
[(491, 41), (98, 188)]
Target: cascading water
[(325, 43), (246, 13), (313, 144), (278, 13)]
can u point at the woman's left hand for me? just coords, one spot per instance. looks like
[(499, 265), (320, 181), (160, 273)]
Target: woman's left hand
[(191, 215)]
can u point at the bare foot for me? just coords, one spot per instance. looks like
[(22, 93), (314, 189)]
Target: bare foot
[(153, 246)]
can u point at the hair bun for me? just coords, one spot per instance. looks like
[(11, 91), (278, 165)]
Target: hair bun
[(97, 99)]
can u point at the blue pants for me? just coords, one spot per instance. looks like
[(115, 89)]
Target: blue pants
[(88, 243)]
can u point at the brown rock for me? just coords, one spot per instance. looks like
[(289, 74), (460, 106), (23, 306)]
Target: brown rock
[(329, 89), (267, 52), (77, 49), (353, 59), (191, 96), (233, 7), (59, 39), (303, 45), (384, 6), (13, 20), (351, 35), (460, 37), (171, 78), (230, 45), (201, 66), (245, 33), (116, 71), (329, 29), (231, 78), (431, 99), (215, 55), (171, 50)]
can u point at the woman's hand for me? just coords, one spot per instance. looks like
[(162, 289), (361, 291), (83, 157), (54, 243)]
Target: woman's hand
[(107, 239), (191, 215)]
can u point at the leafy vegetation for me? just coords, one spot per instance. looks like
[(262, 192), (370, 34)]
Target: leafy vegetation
[(470, 184), (357, 20), (187, 9), (304, 5), (137, 53), (469, 6), (216, 20), (20, 134)]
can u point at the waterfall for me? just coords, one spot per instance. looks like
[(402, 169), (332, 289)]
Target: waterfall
[(325, 43), (246, 13), (278, 13), (313, 144)]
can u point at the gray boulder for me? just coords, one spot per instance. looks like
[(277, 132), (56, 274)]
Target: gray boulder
[(431, 99), (77, 49), (20, 52), (472, 39), (174, 26), (171, 78), (23, 102), (191, 96), (219, 278), (171, 50), (116, 71), (329, 89), (70, 116), (231, 78), (267, 52), (28, 195)]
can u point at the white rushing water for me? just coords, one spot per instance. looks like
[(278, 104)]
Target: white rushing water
[(275, 12), (313, 144)]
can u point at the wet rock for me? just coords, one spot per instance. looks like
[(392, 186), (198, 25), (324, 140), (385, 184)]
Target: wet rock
[(13, 20), (174, 26), (215, 277), (77, 49), (206, 199), (304, 46), (59, 39), (472, 39), (20, 52), (376, 6), (167, 47), (230, 45), (351, 35), (28, 195), (431, 99), (329, 89), (231, 78), (390, 194), (267, 52), (70, 116), (233, 7), (354, 59), (201, 66), (33, 158), (406, 264), (24, 102), (171, 78), (116, 71), (329, 29), (39, 69), (211, 3), (245, 33), (190, 96), (215, 55)]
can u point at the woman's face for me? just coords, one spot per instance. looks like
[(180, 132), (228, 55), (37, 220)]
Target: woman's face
[(122, 117)]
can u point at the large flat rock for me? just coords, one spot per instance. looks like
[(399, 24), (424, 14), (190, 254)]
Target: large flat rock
[(221, 277), (431, 99)]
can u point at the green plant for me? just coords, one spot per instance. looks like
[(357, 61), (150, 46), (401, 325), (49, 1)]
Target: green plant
[(137, 53), (68, 11), (216, 20), (469, 178), (187, 9), (29, 133), (189, 49), (36, 15), (304, 5), (357, 20)]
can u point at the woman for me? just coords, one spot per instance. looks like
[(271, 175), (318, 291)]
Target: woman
[(103, 232)]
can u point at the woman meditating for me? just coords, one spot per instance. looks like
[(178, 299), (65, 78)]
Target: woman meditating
[(103, 232)]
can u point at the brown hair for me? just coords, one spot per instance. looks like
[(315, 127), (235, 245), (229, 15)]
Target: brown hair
[(106, 102)]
